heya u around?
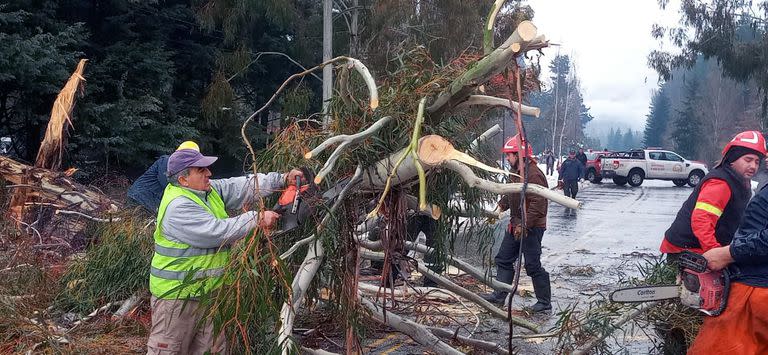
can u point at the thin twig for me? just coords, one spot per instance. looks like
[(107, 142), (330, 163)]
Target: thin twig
[(16, 267), (96, 219), (39, 237)]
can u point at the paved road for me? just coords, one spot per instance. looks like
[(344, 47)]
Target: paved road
[(616, 228)]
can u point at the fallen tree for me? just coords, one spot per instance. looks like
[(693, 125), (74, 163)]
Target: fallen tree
[(56, 189)]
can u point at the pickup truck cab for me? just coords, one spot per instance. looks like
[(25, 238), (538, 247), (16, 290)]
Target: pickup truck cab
[(637, 165)]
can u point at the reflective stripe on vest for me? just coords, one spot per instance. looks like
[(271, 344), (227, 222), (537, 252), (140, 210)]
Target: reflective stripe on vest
[(180, 270)]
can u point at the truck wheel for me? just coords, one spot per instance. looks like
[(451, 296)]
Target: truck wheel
[(694, 178), (679, 182), (591, 176), (635, 177), (620, 180)]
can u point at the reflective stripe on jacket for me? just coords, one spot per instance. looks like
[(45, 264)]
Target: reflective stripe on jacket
[(682, 234), (178, 270)]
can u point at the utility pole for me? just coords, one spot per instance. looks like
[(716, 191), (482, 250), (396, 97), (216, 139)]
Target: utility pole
[(327, 55), (353, 30)]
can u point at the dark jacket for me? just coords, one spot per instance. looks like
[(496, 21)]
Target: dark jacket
[(148, 189), (571, 170), (549, 159), (681, 232), (536, 206), (749, 247), (582, 158)]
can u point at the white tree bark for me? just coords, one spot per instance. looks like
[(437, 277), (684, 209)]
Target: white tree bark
[(416, 331), (428, 293), (484, 100), (488, 134), (300, 284), (504, 189), (346, 142)]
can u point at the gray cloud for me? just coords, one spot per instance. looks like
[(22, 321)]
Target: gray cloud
[(609, 41)]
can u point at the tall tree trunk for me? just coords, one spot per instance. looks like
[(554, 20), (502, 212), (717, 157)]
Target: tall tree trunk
[(327, 55)]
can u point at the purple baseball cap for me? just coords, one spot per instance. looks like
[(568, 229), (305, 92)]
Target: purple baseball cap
[(188, 158)]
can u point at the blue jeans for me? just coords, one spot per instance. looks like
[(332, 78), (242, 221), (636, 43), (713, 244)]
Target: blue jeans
[(510, 248)]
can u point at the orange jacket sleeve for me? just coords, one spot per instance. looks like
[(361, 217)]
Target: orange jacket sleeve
[(713, 197)]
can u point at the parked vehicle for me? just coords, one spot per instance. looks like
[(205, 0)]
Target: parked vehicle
[(594, 166), (635, 166)]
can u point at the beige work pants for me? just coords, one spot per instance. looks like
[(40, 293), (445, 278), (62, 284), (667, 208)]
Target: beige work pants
[(175, 330)]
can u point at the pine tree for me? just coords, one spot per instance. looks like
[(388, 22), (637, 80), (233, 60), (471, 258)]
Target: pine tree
[(38, 52), (657, 119), (615, 140), (628, 140), (687, 126)]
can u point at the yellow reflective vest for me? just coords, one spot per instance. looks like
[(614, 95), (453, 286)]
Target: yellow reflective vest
[(181, 271)]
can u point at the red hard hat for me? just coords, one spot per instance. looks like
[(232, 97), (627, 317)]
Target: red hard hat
[(749, 139), (511, 146)]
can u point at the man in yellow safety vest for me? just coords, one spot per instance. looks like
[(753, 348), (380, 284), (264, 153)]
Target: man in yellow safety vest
[(194, 234)]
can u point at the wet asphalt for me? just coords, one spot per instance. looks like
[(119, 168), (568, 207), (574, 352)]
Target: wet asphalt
[(586, 252)]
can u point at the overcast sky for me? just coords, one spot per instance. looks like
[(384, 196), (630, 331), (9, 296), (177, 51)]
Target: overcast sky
[(610, 41)]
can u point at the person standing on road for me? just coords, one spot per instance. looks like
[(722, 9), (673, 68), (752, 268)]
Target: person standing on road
[(535, 225), (549, 159), (712, 213), (582, 157), (148, 189), (194, 234), (570, 173)]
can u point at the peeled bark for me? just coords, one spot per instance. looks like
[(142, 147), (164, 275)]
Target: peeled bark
[(52, 148)]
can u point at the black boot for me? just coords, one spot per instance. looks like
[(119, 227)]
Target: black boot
[(498, 297), (543, 291)]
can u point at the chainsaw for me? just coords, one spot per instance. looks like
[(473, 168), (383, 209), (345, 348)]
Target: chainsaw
[(698, 287), (299, 203)]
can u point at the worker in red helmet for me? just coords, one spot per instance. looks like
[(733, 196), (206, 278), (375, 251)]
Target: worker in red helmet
[(535, 225), (712, 213), (741, 329)]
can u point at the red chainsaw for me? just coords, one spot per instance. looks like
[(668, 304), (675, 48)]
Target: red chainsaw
[(697, 287)]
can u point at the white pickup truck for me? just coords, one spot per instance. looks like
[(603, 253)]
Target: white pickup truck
[(634, 166)]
